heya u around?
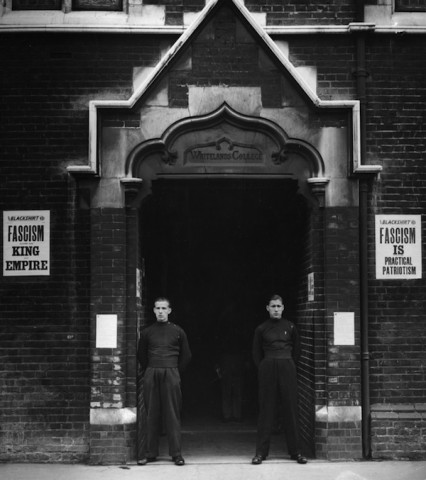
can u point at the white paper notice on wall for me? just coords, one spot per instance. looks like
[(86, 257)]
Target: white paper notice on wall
[(138, 283), (398, 247), (311, 287), (26, 243), (344, 328), (106, 331)]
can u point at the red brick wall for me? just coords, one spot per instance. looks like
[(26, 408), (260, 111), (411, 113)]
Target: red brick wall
[(398, 431), (108, 292), (396, 139), (221, 56), (303, 12), (44, 337), (224, 57), (334, 58), (329, 374), (45, 327), (342, 295), (174, 9)]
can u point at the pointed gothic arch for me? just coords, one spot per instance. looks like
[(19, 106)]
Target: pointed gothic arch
[(226, 142)]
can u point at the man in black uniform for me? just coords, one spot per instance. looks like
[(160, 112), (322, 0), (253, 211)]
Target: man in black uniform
[(163, 353), (276, 347)]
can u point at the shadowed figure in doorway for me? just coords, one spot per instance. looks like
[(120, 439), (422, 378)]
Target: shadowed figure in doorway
[(233, 351), (276, 348), (163, 353)]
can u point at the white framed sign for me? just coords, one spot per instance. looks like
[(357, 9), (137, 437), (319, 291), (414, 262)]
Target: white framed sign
[(26, 243), (106, 331), (398, 247), (344, 328)]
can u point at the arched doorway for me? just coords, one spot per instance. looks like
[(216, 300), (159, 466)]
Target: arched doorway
[(225, 211), (216, 245), (212, 243)]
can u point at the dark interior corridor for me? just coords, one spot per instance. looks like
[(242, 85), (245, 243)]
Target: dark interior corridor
[(217, 245)]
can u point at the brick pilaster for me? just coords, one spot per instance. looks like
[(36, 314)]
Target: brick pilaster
[(112, 424), (338, 420)]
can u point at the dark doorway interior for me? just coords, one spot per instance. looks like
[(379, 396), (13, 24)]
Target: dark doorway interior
[(212, 245)]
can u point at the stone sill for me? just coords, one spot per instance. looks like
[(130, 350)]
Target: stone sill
[(404, 411), (151, 19)]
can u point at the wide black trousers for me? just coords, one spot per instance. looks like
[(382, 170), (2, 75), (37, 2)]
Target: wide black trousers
[(163, 403), (277, 390)]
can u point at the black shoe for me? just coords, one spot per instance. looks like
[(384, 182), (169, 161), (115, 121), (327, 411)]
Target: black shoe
[(151, 459), (299, 458), (258, 459), (179, 461)]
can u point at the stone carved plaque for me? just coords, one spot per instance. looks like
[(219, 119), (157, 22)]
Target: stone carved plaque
[(223, 151)]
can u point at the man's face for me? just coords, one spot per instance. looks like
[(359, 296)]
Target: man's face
[(162, 311), (275, 309)]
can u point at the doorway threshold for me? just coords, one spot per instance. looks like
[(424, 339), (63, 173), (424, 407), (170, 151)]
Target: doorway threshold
[(224, 447)]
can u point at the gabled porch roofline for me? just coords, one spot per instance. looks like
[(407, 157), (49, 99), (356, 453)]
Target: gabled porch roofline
[(93, 167)]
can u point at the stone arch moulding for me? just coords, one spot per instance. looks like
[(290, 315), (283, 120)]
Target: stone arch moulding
[(93, 166), (218, 127)]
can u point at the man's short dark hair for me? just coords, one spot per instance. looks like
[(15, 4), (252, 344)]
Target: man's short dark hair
[(163, 299), (275, 297)]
